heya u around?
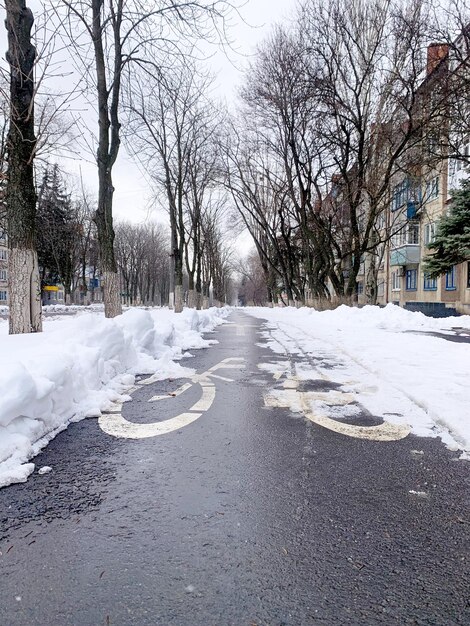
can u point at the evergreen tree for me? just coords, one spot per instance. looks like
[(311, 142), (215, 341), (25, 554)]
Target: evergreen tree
[(452, 242), (57, 231)]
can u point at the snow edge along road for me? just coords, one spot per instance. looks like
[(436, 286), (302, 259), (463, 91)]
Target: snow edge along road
[(80, 366)]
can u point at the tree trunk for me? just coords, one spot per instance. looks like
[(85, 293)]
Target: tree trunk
[(171, 297), (23, 272), (191, 290), (110, 288), (24, 291), (108, 148), (178, 281), (371, 282), (191, 298), (104, 225), (178, 298)]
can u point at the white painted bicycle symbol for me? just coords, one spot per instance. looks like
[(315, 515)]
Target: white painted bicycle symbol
[(292, 396), (113, 423)]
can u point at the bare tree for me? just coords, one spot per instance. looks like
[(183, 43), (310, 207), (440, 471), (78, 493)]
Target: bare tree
[(260, 193), (252, 288), (342, 105), (124, 36), (142, 254), (203, 192), (172, 129)]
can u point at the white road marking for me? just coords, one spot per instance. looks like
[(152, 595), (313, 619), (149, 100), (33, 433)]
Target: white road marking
[(173, 394), (117, 426), (148, 381), (226, 380), (114, 424), (207, 398), (233, 361), (300, 401)]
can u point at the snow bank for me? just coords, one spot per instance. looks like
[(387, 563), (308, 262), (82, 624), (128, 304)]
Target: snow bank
[(79, 366), (387, 357)]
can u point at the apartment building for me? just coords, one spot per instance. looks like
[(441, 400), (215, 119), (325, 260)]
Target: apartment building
[(417, 200), (407, 282)]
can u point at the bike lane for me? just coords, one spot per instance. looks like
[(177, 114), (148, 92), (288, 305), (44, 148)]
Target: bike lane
[(240, 514)]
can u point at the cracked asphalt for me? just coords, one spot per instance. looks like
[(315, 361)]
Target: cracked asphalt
[(249, 516)]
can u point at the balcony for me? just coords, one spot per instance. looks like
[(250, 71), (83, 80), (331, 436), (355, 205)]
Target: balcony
[(407, 254)]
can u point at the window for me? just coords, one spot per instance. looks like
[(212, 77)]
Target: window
[(411, 276), (60, 295), (432, 188), (468, 274), (380, 222), (460, 159), (432, 144), (430, 284), (413, 233), (429, 232), (3, 296), (396, 281), (3, 275), (3, 235), (3, 255), (408, 235), (450, 279), (401, 194), (360, 288)]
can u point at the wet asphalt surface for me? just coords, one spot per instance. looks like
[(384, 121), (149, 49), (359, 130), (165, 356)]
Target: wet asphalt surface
[(249, 516)]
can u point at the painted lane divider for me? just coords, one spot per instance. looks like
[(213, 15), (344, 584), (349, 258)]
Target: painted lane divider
[(113, 423)]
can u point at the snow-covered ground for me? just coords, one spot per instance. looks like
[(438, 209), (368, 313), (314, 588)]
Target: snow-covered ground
[(385, 360), (80, 365)]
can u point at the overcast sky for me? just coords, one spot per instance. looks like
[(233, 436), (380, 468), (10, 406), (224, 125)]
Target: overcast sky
[(132, 197)]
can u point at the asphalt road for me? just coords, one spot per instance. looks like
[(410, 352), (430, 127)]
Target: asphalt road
[(248, 516)]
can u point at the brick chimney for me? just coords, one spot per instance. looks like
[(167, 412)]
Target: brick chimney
[(436, 52)]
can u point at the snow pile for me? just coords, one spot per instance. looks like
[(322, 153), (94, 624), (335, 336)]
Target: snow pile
[(389, 358), (79, 366)]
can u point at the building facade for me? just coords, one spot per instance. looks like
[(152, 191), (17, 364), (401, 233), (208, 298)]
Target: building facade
[(418, 200)]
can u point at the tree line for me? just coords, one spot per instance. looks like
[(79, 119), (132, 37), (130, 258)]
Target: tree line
[(124, 54), (68, 247), (337, 108)]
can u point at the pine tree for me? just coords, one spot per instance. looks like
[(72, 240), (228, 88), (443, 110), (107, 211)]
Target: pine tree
[(57, 231), (452, 242)]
